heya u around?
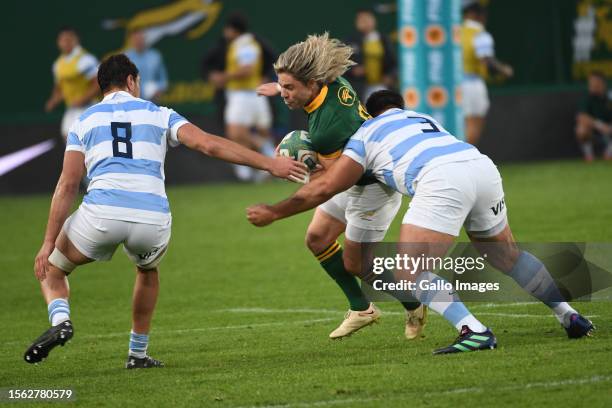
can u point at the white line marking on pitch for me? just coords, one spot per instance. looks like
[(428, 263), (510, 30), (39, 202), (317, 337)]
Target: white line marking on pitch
[(198, 329), (259, 310), (408, 395)]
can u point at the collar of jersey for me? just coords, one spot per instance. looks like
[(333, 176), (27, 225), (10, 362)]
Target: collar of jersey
[(117, 93), (317, 101)]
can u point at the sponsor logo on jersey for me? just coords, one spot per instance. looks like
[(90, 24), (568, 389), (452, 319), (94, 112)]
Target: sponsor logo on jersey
[(346, 96)]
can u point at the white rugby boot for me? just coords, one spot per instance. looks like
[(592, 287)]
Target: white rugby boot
[(355, 320), (415, 322)]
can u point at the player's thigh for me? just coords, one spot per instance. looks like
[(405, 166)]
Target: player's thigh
[(370, 211), (67, 248), (488, 215), (327, 224), (92, 237), (420, 242), (443, 198), (146, 244)]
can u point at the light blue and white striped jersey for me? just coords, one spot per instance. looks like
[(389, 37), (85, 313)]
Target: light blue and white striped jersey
[(124, 140), (399, 145)]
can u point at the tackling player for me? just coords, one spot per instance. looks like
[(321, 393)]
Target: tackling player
[(121, 142), (309, 78), (452, 185)]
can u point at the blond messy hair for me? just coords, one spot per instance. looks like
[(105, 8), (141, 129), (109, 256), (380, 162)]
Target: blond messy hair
[(318, 58)]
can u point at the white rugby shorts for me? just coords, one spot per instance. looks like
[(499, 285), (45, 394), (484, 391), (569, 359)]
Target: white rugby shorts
[(451, 195), (98, 238), (367, 211), (475, 98), (247, 109)]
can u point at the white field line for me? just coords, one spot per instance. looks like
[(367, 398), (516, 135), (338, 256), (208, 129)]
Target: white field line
[(406, 396), (198, 329), (259, 310)]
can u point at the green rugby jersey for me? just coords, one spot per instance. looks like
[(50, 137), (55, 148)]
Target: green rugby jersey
[(334, 115)]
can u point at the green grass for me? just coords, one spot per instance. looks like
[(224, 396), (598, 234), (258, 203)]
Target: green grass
[(244, 313)]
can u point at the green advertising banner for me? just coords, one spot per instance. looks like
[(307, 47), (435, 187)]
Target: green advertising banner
[(548, 42), (182, 30)]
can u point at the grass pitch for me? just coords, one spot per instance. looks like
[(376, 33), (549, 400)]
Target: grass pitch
[(244, 313)]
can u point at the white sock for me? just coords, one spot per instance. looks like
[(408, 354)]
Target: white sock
[(59, 311), (561, 310), (447, 304)]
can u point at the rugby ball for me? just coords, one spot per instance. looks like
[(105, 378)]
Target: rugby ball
[(297, 145)]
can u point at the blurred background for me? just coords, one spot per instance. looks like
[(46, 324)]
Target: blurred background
[(550, 46)]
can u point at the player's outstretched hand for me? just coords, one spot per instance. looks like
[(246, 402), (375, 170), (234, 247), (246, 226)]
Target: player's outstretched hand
[(269, 89), (260, 215), (41, 263), (284, 167)]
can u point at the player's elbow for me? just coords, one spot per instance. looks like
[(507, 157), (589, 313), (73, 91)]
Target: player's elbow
[(208, 146), (68, 186)]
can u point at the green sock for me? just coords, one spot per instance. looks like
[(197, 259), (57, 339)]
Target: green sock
[(331, 261), (387, 276), (404, 297)]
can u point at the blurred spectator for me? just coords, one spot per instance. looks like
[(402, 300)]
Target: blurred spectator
[(214, 60), (478, 62), (376, 64), (74, 74), (149, 61), (594, 118), (244, 110)]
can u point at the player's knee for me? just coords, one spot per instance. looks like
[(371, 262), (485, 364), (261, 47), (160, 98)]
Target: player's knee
[(318, 240)]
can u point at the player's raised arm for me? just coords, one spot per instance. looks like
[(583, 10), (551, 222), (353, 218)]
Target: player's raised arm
[(343, 174), (214, 146)]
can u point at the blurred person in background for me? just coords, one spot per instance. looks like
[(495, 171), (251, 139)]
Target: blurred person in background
[(153, 74), (244, 110), (74, 74), (594, 118), (213, 62), (478, 62), (376, 63)]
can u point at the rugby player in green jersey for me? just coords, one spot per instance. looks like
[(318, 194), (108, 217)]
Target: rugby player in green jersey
[(309, 78)]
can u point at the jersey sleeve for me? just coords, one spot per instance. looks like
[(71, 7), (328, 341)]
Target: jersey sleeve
[(484, 45), (247, 54), (88, 66), (73, 141), (173, 122), (355, 149)]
